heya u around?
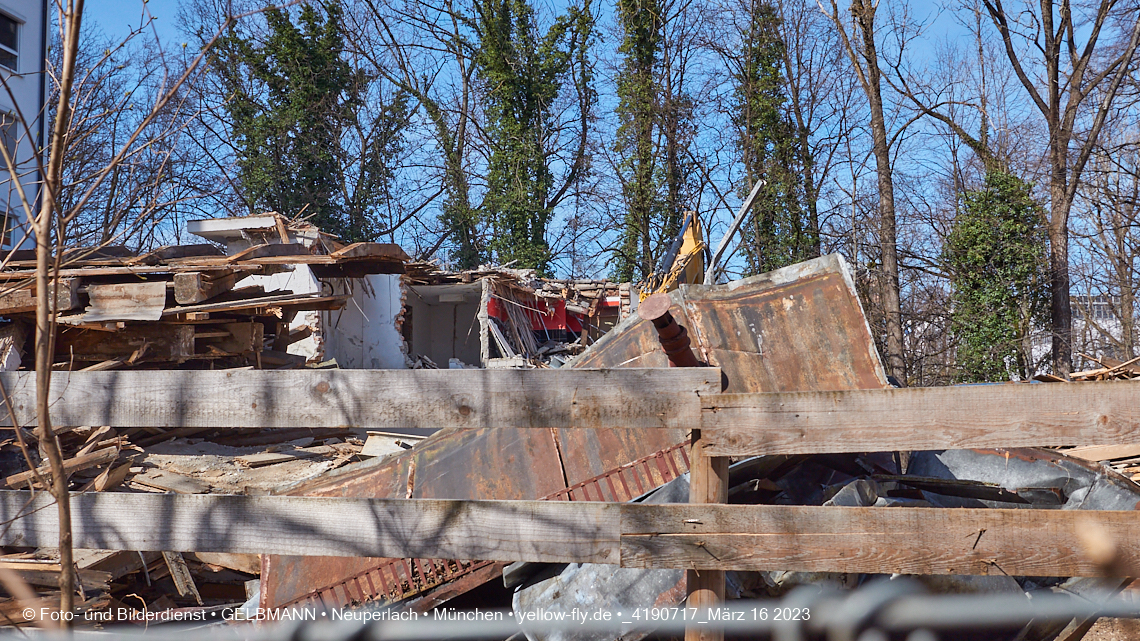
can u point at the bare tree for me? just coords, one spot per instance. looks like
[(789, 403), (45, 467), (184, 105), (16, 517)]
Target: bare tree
[(1062, 75), (49, 218), (1108, 230), (864, 56)]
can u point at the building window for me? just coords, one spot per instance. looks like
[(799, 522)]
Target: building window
[(9, 42), (8, 137), (6, 223)]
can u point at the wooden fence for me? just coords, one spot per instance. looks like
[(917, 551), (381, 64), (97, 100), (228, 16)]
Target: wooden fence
[(746, 537)]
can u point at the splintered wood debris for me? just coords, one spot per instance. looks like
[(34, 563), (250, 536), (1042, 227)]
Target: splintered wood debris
[(1124, 459), (185, 305), (184, 461)]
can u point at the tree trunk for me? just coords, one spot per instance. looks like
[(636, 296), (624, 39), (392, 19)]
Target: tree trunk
[(1123, 220), (47, 281), (1060, 305), (865, 16)]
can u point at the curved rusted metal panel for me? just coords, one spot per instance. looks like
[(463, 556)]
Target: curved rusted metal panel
[(798, 328)]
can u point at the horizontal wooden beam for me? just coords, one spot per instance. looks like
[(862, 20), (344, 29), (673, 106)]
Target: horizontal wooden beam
[(311, 526), (1024, 542), (890, 540), (930, 418), (980, 416), (657, 398)]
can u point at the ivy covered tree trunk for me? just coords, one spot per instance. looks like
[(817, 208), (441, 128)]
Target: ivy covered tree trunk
[(524, 73), (637, 91), (293, 97), (996, 255), (781, 231)]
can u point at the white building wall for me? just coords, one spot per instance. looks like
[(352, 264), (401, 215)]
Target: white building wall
[(299, 280), (27, 85), (365, 334)]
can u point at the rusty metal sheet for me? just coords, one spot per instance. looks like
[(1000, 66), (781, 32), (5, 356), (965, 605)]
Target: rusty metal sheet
[(459, 464), (586, 453), (480, 464), (797, 328)]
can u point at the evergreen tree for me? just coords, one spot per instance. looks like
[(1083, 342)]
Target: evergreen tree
[(779, 232), (293, 97), (996, 255), (524, 73)]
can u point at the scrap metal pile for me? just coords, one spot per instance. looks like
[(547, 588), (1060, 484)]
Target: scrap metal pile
[(1008, 478)]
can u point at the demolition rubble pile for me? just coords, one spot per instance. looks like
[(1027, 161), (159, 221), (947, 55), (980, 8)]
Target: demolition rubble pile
[(523, 320), (1123, 459), (186, 305), (799, 328), (185, 461), (266, 293)]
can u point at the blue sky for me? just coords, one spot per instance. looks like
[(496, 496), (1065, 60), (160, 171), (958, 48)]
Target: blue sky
[(117, 18)]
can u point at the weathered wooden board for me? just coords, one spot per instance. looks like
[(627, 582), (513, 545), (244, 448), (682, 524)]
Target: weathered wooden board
[(1104, 452), (24, 300), (195, 287), (744, 537), (81, 462), (492, 530), (147, 342), (874, 540), (975, 416), (657, 398), (126, 301)]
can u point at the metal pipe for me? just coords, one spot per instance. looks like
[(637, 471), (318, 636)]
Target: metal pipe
[(674, 337)]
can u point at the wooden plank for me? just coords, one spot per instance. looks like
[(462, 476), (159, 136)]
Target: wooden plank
[(306, 301), (708, 484), (273, 250), (243, 338), (126, 270), (168, 481), (392, 528), (70, 465), (126, 301), (262, 459), (195, 287), (1104, 452), (976, 416), (248, 563), (743, 537), (140, 343), (169, 252), (47, 574), (180, 574), (386, 251), (24, 300), (377, 399), (874, 540)]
